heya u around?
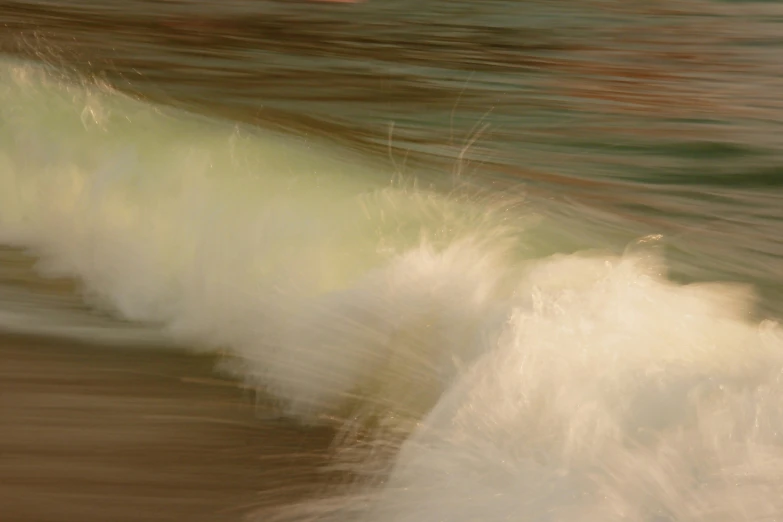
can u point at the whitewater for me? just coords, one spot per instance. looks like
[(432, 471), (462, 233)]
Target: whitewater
[(475, 376)]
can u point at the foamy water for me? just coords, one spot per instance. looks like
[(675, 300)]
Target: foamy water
[(504, 383)]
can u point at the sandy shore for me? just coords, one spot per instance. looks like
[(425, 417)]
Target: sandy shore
[(113, 435)]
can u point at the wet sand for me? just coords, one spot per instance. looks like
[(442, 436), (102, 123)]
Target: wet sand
[(113, 435)]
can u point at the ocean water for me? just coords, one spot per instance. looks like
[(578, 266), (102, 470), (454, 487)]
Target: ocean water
[(524, 257)]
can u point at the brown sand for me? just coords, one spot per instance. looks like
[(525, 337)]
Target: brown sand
[(112, 435)]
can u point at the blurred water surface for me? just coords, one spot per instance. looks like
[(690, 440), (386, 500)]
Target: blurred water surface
[(632, 116)]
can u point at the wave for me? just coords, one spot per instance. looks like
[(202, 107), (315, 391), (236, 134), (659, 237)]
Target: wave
[(510, 384), (303, 264)]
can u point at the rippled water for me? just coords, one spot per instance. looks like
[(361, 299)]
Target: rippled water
[(434, 219)]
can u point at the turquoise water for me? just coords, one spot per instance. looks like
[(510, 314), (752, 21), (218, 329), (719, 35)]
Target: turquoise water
[(533, 247)]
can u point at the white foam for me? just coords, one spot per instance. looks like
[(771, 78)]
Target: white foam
[(611, 395), (571, 388)]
